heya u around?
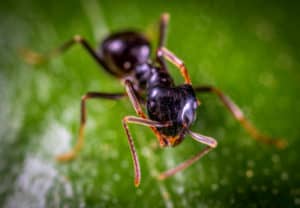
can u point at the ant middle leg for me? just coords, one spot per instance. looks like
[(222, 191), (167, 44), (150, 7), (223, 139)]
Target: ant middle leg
[(210, 142), (80, 140), (239, 116), (164, 52)]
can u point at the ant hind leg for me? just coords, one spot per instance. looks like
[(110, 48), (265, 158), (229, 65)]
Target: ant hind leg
[(35, 58), (239, 116)]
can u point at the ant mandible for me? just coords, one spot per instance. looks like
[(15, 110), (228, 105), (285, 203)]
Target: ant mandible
[(171, 109)]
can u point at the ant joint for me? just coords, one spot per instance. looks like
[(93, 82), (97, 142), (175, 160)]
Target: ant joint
[(77, 38)]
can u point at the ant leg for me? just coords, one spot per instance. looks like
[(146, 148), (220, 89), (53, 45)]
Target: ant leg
[(176, 61), (133, 98), (239, 115), (212, 143), (36, 58), (163, 25), (72, 153), (138, 109), (141, 121)]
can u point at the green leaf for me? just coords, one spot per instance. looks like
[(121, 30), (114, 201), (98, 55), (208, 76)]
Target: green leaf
[(250, 50)]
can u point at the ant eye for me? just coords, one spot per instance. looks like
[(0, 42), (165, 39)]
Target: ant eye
[(188, 113), (195, 105)]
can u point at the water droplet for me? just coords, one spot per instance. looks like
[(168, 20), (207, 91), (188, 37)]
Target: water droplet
[(214, 187), (116, 177), (146, 152), (180, 189), (249, 173)]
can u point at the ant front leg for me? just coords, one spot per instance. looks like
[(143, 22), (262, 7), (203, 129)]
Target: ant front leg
[(141, 121), (210, 142), (176, 61), (138, 108), (134, 98), (90, 95), (239, 116)]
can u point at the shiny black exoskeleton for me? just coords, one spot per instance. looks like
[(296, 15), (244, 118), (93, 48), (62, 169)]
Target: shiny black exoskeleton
[(127, 55), (123, 52), (177, 104)]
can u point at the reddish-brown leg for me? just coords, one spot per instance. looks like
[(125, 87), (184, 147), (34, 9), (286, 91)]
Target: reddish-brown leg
[(138, 108), (210, 142), (79, 143), (176, 61), (239, 115), (36, 58), (142, 121), (163, 26), (134, 98)]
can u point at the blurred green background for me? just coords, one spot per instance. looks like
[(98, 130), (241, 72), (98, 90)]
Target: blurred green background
[(250, 49)]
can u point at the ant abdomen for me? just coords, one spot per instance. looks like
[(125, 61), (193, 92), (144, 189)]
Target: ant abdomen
[(123, 51)]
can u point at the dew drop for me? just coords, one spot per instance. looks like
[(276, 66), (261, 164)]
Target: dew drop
[(249, 173)]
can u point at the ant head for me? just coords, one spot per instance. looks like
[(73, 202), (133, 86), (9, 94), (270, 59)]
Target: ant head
[(175, 104)]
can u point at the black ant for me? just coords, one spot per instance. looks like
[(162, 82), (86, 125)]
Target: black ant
[(171, 109)]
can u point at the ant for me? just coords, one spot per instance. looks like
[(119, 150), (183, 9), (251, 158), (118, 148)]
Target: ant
[(171, 109)]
